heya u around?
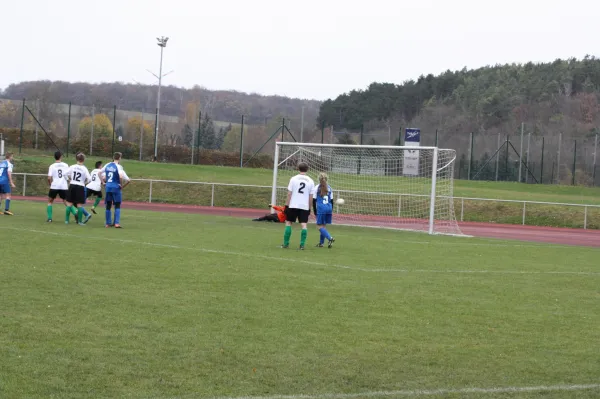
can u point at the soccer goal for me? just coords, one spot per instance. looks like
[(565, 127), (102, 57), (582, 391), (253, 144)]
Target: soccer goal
[(407, 188)]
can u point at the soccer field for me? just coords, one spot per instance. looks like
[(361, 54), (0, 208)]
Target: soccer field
[(191, 306)]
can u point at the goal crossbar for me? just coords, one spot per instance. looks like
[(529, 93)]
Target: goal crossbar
[(366, 147)]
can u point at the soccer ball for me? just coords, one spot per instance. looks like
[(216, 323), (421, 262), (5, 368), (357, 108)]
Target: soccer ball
[(339, 201)]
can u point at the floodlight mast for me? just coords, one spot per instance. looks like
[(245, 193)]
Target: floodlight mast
[(162, 43)]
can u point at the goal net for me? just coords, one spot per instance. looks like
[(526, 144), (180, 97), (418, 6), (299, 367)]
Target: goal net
[(382, 186)]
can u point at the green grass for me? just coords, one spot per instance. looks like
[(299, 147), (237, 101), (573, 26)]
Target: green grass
[(193, 306)]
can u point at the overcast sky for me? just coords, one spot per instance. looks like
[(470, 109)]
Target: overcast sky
[(310, 49)]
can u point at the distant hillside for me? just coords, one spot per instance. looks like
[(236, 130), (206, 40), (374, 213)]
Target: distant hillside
[(226, 106), (549, 97), (556, 104)]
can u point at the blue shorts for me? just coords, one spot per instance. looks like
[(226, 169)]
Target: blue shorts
[(323, 218), (5, 188), (115, 197)]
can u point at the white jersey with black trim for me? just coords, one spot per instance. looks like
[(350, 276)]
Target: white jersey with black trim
[(96, 183), (78, 175), (301, 186), (58, 172)]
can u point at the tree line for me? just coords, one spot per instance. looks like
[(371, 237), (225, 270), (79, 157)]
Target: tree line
[(489, 96), (221, 105)]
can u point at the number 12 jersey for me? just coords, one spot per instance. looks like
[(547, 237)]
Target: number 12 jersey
[(79, 175)]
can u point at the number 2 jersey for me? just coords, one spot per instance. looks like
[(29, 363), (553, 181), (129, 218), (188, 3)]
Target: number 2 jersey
[(5, 168), (58, 172), (114, 175), (78, 175), (301, 187), (95, 184)]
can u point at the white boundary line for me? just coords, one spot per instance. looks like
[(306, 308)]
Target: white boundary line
[(306, 262), (426, 392)]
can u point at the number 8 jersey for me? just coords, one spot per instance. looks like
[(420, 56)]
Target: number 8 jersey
[(58, 172)]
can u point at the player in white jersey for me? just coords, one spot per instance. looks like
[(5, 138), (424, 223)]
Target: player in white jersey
[(298, 204), (57, 180), (78, 176), (94, 188)]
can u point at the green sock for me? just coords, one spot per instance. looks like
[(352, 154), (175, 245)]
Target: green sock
[(303, 236), (49, 212), (68, 213), (97, 201), (74, 211), (286, 235), (79, 215)]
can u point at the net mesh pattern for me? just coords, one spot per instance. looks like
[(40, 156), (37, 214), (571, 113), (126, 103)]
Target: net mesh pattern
[(381, 187)]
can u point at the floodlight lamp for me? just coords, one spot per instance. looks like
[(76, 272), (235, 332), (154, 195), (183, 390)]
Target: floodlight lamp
[(162, 41)]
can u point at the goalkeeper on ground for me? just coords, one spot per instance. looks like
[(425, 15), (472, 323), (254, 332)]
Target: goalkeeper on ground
[(323, 209), (278, 217)]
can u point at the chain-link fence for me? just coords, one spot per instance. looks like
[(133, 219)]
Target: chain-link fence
[(523, 154)]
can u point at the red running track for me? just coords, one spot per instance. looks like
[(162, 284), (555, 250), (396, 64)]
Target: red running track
[(554, 235)]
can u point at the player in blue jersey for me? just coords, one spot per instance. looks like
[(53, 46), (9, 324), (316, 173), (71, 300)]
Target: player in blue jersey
[(6, 183), (323, 209), (115, 180)]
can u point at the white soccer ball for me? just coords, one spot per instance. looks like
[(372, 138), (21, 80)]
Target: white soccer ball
[(339, 201)]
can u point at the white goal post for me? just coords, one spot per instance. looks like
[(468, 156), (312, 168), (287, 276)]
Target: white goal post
[(398, 187)]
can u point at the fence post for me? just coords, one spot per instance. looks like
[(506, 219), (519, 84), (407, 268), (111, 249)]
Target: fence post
[(212, 195), (558, 159), (574, 161), (22, 121), (498, 157), (150, 194), (521, 149), (322, 131), (242, 142), (142, 136), (585, 217), (462, 208), (470, 155), (527, 160), (198, 137), (24, 184), (506, 163), (155, 157), (114, 122), (362, 128), (524, 203), (37, 111), (92, 131), (542, 165), (69, 129), (594, 167)]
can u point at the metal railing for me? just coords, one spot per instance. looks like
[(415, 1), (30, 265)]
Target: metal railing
[(28, 189)]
